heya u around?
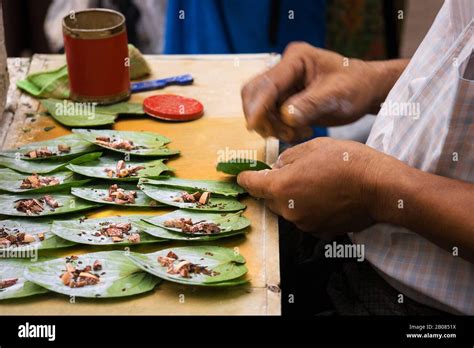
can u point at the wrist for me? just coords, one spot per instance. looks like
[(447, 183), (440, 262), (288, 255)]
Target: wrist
[(383, 76), (386, 187)]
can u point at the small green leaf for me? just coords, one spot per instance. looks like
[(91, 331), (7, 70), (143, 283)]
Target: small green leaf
[(67, 204), (146, 143), (118, 278), (10, 181), (222, 188), (77, 145), (168, 195), (76, 115), (168, 234), (226, 222), (97, 168), (84, 231), (34, 227), (235, 166), (45, 166), (97, 193), (14, 268), (228, 265)]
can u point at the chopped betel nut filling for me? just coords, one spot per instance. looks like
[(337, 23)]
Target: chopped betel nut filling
[(63, 148), (118, 232), (196, 197), (119, 144), (35, 206), (36, 181), (121, 170), (29, 206), (182, 267), (77, 278), (120, 196), (44, 152), (6, 283), (97, 266), (15, 238), (188, 226)]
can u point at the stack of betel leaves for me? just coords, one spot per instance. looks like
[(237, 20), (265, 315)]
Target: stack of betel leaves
[(46, 187)]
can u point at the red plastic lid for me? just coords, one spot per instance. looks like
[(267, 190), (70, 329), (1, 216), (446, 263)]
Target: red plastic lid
[(173, 107)]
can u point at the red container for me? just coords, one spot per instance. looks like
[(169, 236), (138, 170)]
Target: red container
[(95, 42)]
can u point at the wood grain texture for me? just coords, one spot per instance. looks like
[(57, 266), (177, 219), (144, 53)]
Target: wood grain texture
[(218, 80)]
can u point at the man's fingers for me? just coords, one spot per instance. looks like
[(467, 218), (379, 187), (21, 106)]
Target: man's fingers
[(312, 106), (257, 183), (291, 154), (257, 105), (262, 95)]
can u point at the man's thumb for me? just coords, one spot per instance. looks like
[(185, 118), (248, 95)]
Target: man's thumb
[(307, 106)]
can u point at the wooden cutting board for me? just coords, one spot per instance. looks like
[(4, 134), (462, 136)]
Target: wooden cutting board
[(218, 79)]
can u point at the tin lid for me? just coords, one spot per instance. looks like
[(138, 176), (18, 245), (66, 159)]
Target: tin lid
[(172, 107)]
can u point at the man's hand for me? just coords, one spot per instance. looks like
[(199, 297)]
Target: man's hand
[(312, 86), (329, 187), (323, 186)]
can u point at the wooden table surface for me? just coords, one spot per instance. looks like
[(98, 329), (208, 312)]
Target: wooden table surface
[(218, 79)]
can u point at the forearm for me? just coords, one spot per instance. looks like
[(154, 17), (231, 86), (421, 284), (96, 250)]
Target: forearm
[(438, 208), (385, 74)]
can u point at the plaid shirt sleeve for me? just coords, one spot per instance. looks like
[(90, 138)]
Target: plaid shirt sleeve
[(427, 121)]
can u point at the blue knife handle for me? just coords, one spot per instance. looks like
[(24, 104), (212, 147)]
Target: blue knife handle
[(162, 83)]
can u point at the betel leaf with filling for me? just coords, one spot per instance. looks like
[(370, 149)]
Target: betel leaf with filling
[(118, 277), (84, 115), (39, 229), (45, 166), (171, 196), (163, 233), (11, 181), (100, 168), (128, 142), (226, 222), (226, 266), (100, 194), (61, 148), (12, 282), (94, 231), (223, 188), (24, 204), (235, 166)]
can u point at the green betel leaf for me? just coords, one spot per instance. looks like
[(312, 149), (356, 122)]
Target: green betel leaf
[(235, 166), (142, 143), (11, 181), (62, 148), (170, 195), (67, 204), (93, 231), (39, 229), (13, 269), (45, 166), (87, 114), (168, 234), (118, 276), (226, 222), (100, 168), (100, 194), (222, 188), (227, 266)]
